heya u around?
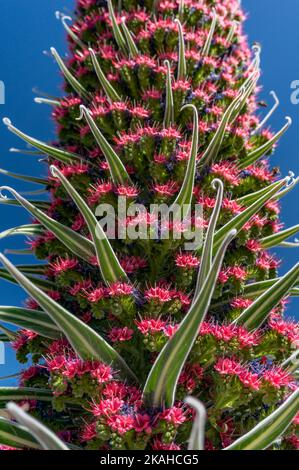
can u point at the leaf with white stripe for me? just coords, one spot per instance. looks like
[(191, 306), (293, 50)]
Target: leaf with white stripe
[(271, 428), (160, 387), (34, 320), (255, 315), (85, 341), (77, 244), (110, 267)]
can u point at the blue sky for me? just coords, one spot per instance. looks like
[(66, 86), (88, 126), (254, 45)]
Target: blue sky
[(29, 27)]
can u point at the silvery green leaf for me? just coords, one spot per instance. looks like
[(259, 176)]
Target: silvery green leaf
[(160, 387), (33, 320), (85, 341), (77, 244), (29, 179), (47, 439), (119, 39), (13, 435), (112, 95), (133, 50), (279, 237), (182, 67), (110, 267), (118, 172), (61, 155), (27, 230), (197, 437), (169, 106), (270, 428), (255, 315)]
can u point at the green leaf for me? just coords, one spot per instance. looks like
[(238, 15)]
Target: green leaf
[(32, 268), (241, 219), (110, 267), (186, 192), (37, 281), (118, 172), (292, 363), (270, 428), (13, 435), (160, 387), (255, 315), (207, 253), (70, 32), (169, 106), (252, 197), (61, 155), (85, 341), (264, 149), (112, 95), (197, 437), (27, 230), (43, 205), (254, 289), (277, 238), (29, 179), (75, 84), (119, 39), (80, 246), (47, 439), (133, 50), (182, 67), (33, 320), (25, 393), (206, 48)]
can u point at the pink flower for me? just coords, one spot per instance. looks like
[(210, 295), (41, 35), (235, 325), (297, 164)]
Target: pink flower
[(277, 377), (157, 294), (120, 334), (121, 423), (173, 415), (150, 326), (89, 432), (62, 265), (184, 260), (108, 407), (119, 289), (142, 422)]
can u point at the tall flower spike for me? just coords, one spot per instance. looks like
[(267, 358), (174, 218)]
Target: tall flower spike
[(271, 112), (206, 48), (182, 68), (169, 107), (112, 95), (75, 84)]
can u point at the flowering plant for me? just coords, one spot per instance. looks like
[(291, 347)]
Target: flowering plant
[(142, 344)]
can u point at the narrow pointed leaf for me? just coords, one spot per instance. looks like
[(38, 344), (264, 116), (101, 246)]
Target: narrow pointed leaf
[(206, 258), (118, 172), (197, 438), (61, 155), (29, 179), (186, 192), (182, 67), (160, 387), (169, 106), (80, 246), (252, 197), (110, 267), (34, 320), (267, 147), (13, 435), (27, 230), (271, 428), (277, 238), (241, 219), (85, 341), (70, 32), (254, 315), (25, 393), (119, 39), (43, 205), (106, 85), (269, 114), (75, 84), (133, 50), (47, 439), (206, 48), (37, 281)]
